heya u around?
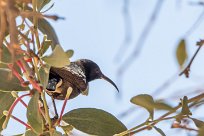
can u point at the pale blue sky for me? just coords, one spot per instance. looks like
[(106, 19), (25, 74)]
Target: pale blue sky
[(95, 30)]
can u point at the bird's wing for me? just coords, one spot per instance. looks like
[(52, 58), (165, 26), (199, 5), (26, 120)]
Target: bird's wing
[(72, 74)]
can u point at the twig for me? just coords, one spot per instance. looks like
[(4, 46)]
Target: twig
[(11, 109), (17, 119), (69, 91), (15, 95), (136, 130), (187, 69), (28, 14), (183, 127)]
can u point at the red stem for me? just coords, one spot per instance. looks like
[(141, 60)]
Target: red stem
[(16, 73), (28, 60), (21, 66), (15, 102), (23, 103), (20, 121), (34, 83), (62, 111)]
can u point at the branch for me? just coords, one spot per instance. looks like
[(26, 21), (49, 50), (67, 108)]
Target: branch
[(136, 130), (187, 69)]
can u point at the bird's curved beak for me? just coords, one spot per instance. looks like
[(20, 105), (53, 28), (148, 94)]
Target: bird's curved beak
[(110, 81)]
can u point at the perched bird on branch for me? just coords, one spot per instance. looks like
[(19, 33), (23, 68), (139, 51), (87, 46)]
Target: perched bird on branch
[(77, 75)]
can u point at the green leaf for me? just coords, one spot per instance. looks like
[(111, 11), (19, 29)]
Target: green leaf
[(45, 45), (201, 131), (58, 58), (159, 131), (8, 83), (162, 106), (146, 101), (6, 55), (181, 53), (198, 123), (41, 4), (6, 100), (185, 109), (94, 121), (33, 114), (2, 119), (70, 53), (44, 75), (30, 133), (47, 29)]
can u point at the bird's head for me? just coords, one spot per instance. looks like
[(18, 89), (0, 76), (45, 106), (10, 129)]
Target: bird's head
[(92, 71)]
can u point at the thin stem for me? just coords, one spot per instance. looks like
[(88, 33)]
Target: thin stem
[(35, 23), (55, 109), (187, 69), (69, 91), (22, 122), (16, 73), (15, 95), (11, 109), (46, 111), (196, 98)]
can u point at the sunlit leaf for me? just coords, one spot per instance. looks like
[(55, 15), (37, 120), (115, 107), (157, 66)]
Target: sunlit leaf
[(9, 84), (45, 45), (181, 53), (159, 131), (44, 75), (58, 58), (162, 106), (69, 53), (94, 121), (146, 101), (41, 4), (33, 114), (6, 100), (198, 123), (185, 109), (48, 30)]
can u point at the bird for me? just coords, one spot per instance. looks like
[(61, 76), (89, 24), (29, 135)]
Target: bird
[(76, 75)]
